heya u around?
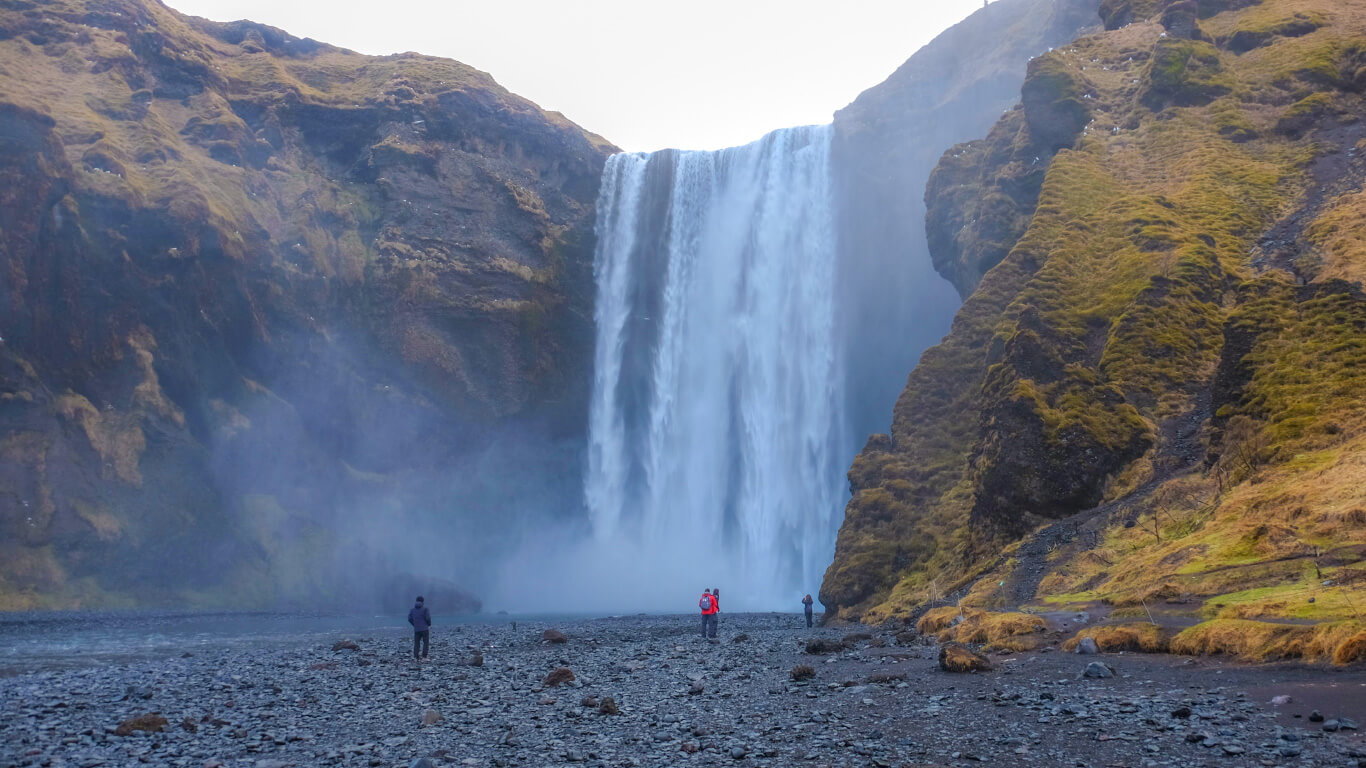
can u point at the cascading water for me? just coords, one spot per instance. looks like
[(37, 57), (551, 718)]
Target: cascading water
[(717, 447)]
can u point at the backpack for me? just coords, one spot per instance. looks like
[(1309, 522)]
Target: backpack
[(705, 603)]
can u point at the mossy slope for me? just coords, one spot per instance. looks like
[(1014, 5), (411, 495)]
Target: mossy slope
[(1163, 340)]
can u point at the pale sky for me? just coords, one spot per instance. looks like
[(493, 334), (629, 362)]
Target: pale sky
[(645, 74)]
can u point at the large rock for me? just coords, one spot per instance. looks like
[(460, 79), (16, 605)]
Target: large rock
[(1098, 670), (151, 722), (958, 658)]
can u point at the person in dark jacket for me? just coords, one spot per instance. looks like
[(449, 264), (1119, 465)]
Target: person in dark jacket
[(806, 606), (421, 619), (716, 604)]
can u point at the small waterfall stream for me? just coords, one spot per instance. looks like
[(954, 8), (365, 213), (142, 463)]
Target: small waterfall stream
[(717, 443)]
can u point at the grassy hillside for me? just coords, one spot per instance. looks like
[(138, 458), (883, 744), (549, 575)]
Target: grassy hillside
[(260, 293), (1154, 391)]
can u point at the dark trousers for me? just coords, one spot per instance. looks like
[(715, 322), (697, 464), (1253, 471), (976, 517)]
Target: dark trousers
[(808, 617), (709, 622), (421, 639)]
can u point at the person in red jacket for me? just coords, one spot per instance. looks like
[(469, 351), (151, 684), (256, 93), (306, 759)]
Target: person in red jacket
[(709, 608)]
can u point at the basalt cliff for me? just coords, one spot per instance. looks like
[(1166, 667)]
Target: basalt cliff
[(1151, 400), (265, 302)]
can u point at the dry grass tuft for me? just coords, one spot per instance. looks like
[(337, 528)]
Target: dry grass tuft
[(1143, 638), (1341, 642)]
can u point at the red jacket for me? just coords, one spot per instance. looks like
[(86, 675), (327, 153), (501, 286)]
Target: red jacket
[(712, 605)]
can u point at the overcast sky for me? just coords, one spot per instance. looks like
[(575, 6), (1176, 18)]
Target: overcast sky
[(646, 74)]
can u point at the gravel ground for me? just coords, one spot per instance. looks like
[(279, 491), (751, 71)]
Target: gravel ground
[(681, 701)]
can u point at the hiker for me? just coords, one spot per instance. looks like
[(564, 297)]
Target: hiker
[(421, 619), (709, 608), (806, 606)]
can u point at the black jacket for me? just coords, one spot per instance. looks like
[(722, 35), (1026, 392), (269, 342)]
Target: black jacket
[(420, 618)]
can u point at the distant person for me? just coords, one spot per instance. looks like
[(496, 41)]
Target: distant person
[(716, 598), (807, 602), (709, 608), (421, 619)]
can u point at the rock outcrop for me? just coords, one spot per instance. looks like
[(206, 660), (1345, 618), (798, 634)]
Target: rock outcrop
[(251, 283), (1162, 342), (886, 144)]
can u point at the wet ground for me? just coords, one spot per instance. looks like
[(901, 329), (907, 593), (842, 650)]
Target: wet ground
[(288, 698)]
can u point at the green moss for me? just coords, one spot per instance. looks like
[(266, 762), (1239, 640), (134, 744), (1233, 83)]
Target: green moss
[(1260, 27), (1107, 324), (1185, 73)]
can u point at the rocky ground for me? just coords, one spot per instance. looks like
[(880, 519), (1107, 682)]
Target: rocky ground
[(483, 699)]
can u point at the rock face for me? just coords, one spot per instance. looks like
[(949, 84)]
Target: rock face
[(885, 146), (1163, 323), (250, 283)]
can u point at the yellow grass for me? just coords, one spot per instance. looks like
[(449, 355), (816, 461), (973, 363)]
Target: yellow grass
[(1144, 638), (1340, 642)]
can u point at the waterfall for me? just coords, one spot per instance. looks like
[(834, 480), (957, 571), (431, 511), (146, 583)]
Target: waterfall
[(717, 446)]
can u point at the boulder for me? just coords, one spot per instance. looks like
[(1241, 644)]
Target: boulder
[(554, 636), (820, 645), (558, 676), (1088, 647), (958, 658), (152, 722), (1098, 670), (345, 645)]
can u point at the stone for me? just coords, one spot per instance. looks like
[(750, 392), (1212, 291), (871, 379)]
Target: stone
[(554, 636), (1181, 712), (737, 753), (559, 676), (152, 722), (958, 658), (422, 762), (1088, 646), (345, 645), (1281, 700), (608, 706), (431, 717), (696, 688), (1316, 716), (820, 645), (1098, 670)]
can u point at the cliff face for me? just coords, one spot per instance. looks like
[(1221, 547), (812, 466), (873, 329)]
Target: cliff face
[(1163, 342), (250, 284), (886, 144)]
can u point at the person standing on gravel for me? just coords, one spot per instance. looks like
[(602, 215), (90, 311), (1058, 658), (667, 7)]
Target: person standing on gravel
[(807, 602), (421, 619), (709, 608)]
